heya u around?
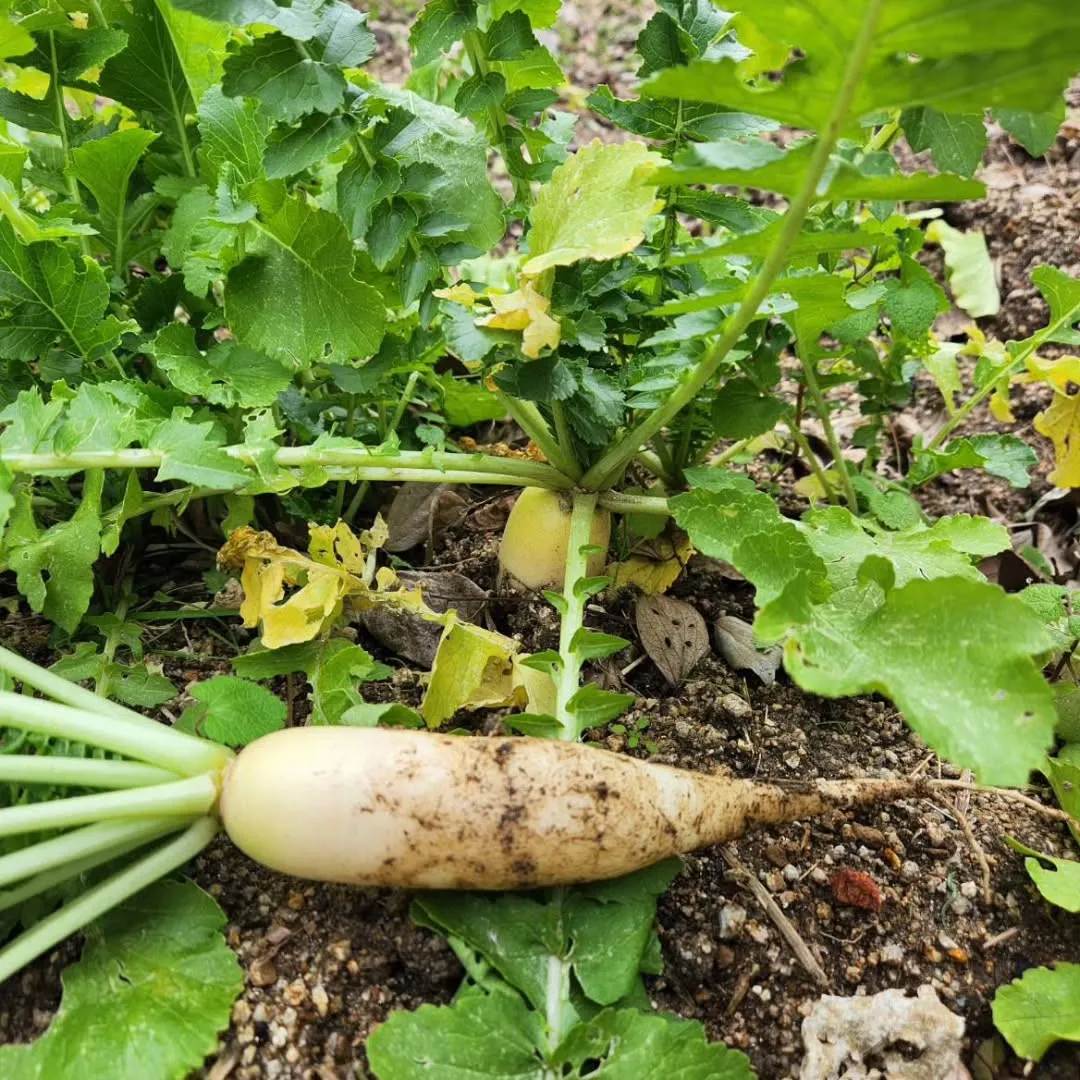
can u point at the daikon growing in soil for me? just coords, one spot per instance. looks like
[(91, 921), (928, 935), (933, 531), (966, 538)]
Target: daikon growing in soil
[(537, 540)]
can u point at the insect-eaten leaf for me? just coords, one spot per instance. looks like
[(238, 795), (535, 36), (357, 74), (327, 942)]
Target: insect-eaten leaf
[(476, 668), (339, 565), (673, 634), (735, 642)]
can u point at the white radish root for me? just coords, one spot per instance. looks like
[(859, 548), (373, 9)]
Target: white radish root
[(534, 541), (374, 806)]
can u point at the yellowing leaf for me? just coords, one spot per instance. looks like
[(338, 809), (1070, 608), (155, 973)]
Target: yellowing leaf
[(322, 581), (811, 488), (1056, 373), (525, 310), (473, 669), (654, 567), (594, 206), (1061, 423), (459, 294), (1000, 407)]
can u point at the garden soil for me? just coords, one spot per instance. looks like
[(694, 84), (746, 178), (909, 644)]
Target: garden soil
[(324, 965)]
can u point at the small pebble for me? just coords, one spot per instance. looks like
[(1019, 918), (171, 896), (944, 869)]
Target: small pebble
[(732, 921), (736, 707), (818, 876), (320, 999), (909, 870), (791, 874), (892, 954), (969, 889)]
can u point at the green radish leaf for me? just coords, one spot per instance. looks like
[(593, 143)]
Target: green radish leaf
[(978, 700), (154, 987), (740, 410), (728, 519), (956, 141), (234, 711), (104, 167), (226, 374), (970, 271), (634, 1045), (1036, 1010), (1059, 882), (591, 706), (946, 549), (978, 59), (1063, 771), (594, 207), (139, 687), (281, 75), (53, 299), (593, 645), (193, 453), (479, 1036), (148, 75), (295, 296), (54, 568), (385, 715), (233, 132), (1001, 455), (1034, 131), (439, 25)]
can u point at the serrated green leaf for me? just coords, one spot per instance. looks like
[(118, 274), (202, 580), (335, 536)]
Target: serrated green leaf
[(478, 1036), (104, 167), (591, 706), (299, 21), (139, 687), (593, 645), (594, 207), (295, 295), (234, 711), (542, 13), (54, 568), (914, 300), (971, 275), (727, 518), (961, 59), (53, 298), (74, 51), (283, 78), (468, 403), (956, 141), (976, 699), (1001, 455), (149, 995), (291, 150), (1041, 1007), (226, 374), (633, 1045), (439, 25), (419, 132), (233, 132), (944, 550), (741, 410), (193, 453), (148, 75)]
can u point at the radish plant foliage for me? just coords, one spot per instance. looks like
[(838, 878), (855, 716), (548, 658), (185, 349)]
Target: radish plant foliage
[(238, 268)]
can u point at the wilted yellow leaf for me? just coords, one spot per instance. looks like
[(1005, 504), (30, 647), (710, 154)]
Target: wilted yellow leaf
[(1061, 423), (322, 581), (655, 566), (459, 294), (1000, 406), (526, 310)]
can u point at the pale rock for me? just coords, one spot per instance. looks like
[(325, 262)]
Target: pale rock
[(842, 1032)]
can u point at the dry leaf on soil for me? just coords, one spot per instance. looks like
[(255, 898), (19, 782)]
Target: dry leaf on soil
[(734, 638), (419, 512), (673, 634)]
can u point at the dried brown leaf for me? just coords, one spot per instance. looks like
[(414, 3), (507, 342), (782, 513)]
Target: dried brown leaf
[(419, 512), (673, 634), (734, 638)]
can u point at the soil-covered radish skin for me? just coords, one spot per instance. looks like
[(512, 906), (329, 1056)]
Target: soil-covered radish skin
[(533, 545), (415, 809)]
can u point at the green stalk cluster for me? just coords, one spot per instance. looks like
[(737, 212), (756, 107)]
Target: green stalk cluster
[(166, 786)]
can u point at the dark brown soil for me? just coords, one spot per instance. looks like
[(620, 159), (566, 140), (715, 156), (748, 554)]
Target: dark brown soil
[(324, 965)]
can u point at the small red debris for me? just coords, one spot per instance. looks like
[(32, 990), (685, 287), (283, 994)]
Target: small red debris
[(853, 888)]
